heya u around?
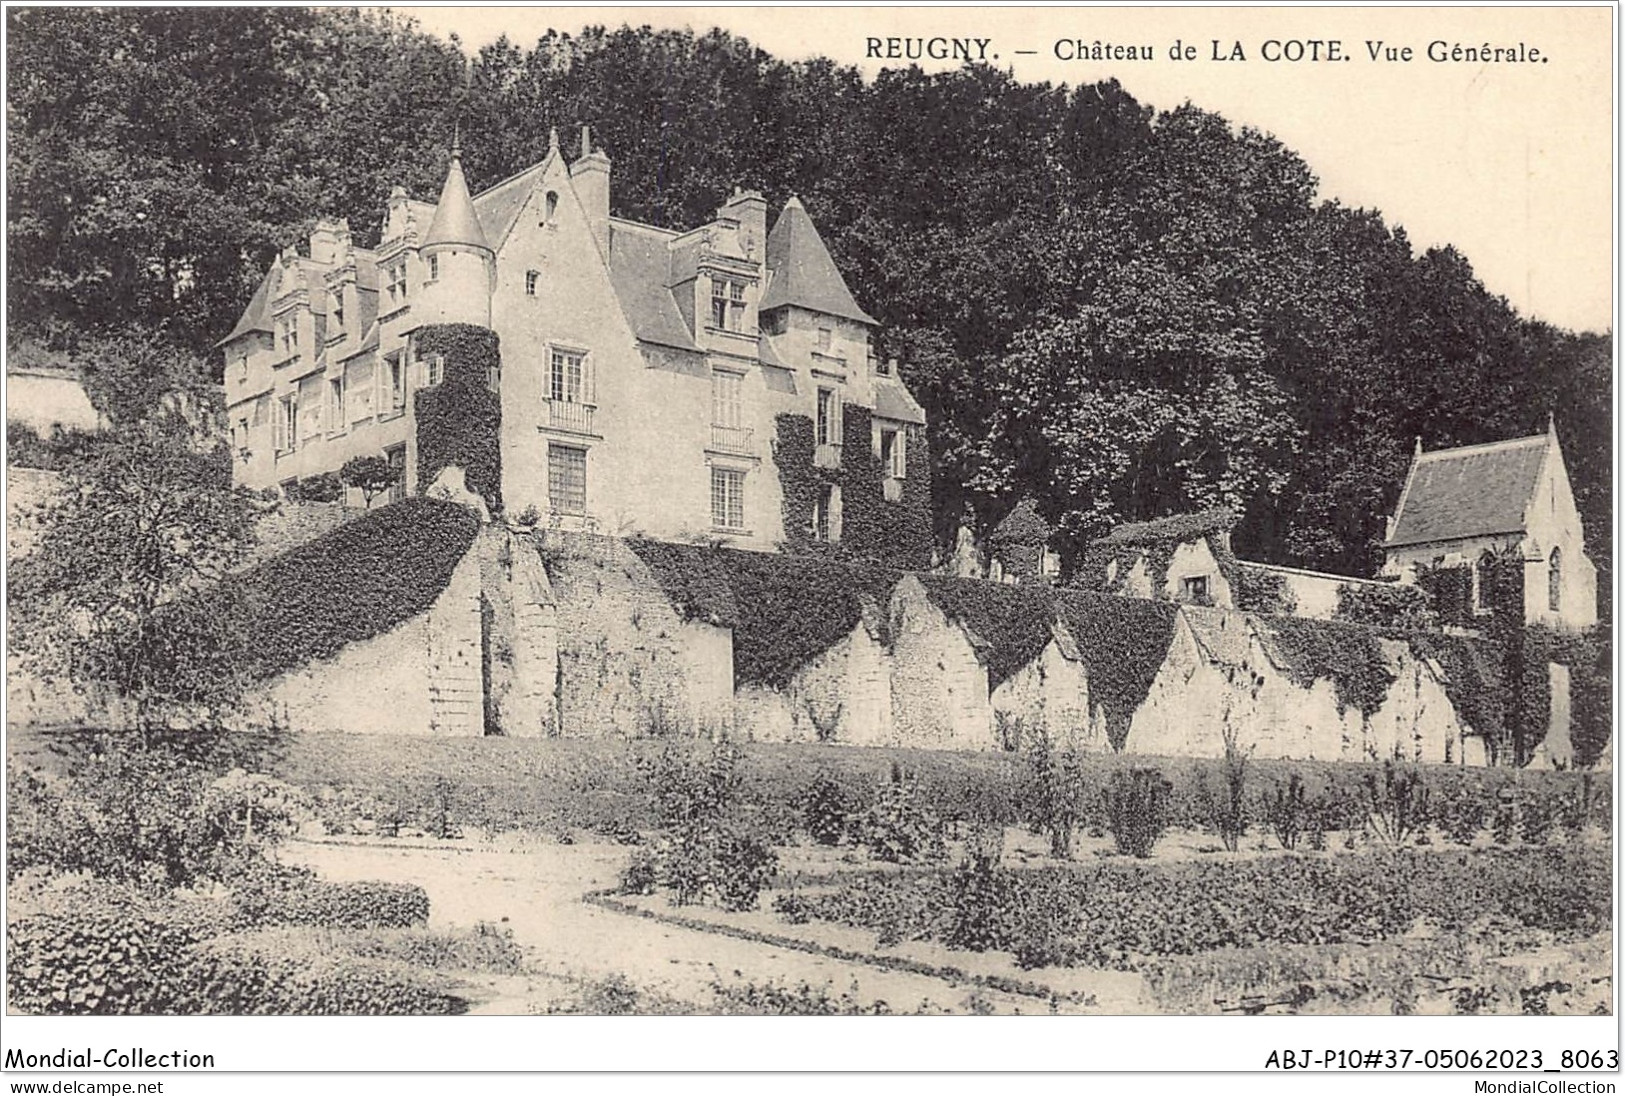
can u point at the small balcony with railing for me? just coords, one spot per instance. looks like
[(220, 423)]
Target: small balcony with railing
[(738, 441), (568, 417), (827, 455)]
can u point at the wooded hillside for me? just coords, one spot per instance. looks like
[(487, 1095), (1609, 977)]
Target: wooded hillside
[(1119, 312)]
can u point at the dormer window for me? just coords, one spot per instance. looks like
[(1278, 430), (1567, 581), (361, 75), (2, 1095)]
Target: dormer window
[(1194, 589), (336, 310), (288, 334), (727, 304)]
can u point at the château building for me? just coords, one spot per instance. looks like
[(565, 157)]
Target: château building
[(635, 379)]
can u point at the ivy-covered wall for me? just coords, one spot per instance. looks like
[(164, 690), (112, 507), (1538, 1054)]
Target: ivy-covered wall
[(784, 611), (459, 421), (896, 534)]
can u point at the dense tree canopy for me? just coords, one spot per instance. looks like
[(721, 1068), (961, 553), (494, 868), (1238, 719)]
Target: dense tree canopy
[(1119, 313)]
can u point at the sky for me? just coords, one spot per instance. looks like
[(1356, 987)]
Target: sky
[(1510, 161)]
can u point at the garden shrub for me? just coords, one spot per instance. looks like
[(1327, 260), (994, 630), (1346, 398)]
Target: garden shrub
[(827, 811), (290, 898), (102, 960), (1287, 810), (1228, 808), (1137, 810), (283, 975), (1396, 803), (322, 487), (1057, 801), (487, 948), (897, 827)]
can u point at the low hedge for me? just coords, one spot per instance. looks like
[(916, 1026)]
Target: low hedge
[(99, 960), (363, 905)]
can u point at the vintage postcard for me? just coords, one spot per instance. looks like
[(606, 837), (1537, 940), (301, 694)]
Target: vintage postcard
[(528, 513)]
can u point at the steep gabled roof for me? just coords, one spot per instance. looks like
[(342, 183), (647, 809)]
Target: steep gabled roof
[(257, 316), (1472, 491), (640, 271), (498, 206), (804, 275), (894, 401)]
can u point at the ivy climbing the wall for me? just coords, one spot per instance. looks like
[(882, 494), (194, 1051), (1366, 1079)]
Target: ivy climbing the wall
[(1258, 589), (459, 421), (1349, 655), (1154, 543), (785, 611), (894, 534), (354, 583), (1123, 643), (1013, 623)]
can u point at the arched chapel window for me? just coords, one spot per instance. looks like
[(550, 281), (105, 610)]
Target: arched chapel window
[(1554, 581)]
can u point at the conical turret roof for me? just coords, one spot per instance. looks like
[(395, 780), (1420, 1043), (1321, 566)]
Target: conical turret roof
[(454, 219), (804, 275)]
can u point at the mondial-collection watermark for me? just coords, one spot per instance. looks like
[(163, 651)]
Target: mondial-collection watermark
[(111, 1058)]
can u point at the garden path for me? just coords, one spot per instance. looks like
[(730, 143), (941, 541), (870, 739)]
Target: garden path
[(537, 891)]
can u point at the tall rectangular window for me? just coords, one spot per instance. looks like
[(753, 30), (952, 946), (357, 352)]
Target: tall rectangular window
[(826, 512), (287, 424), (829, 417), (434, 268), (395, 282), (336, 310), (393, 387), (336, 419), (531, 278), (567, 381), (825, 339), (288, 327), (727, 304), (727, 498), (727, 402), (892, 459), (434, 370), (567, 479), (396, 456)]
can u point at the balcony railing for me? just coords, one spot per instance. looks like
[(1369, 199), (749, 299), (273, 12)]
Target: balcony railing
[(740, 440), (575, 418), (827, 455)]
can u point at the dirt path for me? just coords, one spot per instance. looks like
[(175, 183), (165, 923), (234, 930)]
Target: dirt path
[(537, 891)]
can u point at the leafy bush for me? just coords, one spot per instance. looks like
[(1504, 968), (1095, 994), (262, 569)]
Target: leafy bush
[(708, 849), (322, 487), (284, 897), (371, 475), (486, 947), (1228, 807), (1057, 804), (896, 827), (281, 975), (1137, 810), (1396, 804), (101, 960), (1288, 811), (827, 811)]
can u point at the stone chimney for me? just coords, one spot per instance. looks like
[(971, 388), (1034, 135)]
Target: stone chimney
[(589, 176), (749, 209), (327, 241)]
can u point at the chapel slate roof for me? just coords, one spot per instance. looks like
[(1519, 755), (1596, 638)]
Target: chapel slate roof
[(804, 275), (1473, 491)]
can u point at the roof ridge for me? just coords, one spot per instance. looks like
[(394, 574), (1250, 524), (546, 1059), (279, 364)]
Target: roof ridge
[(1486, 446)]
